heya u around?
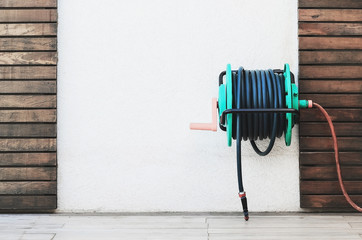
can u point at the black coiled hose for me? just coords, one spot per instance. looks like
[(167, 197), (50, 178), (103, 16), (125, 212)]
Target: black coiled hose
[(257, 89)]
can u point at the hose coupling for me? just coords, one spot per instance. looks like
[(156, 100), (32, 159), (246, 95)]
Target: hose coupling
[(244, 203), (242, 194), (305, 103)]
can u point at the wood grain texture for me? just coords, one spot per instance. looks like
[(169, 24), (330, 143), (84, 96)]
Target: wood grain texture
[(28, 202), (322, 129), (28, 58), (28, 130), (28, 44), (326, 144), (28, 145), (27, 101), (335, 100), (27, 3), (330, 29), (330, 172), (28, 29), (337, 115), (330, 43), (332, 15), (330, 3), (28, 159), (328, 201), (28, 187), (330, 57), (28, 116), (28, 72), (330, 187), (330, 86), (27, 173), (47, 87), (328, 72), (28, 15), (327, 158)]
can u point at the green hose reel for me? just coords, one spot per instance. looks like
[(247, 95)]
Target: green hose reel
[(269, 104), (291, 101)]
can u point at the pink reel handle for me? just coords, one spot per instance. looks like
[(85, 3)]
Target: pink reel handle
[(208, 126)]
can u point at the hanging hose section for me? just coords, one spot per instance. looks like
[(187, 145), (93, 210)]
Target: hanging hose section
[(336, 157)]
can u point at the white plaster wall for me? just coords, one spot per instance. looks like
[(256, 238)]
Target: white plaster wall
[(133, 74)]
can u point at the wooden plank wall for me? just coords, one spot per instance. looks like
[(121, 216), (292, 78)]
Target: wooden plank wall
[(330, 73), (28, 64)]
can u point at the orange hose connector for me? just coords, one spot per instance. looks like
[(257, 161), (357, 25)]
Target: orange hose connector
[(336, 155)]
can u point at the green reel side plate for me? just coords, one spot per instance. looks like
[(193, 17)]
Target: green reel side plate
[(229, 104), (291, 101), (288, 103), (295, 97)]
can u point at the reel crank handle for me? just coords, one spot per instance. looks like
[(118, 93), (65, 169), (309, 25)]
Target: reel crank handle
[(208, 126)]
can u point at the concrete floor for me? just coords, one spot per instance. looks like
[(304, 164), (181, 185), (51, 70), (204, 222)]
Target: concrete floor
[(111, 226)]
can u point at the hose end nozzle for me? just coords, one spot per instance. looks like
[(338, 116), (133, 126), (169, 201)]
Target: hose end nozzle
[(244, 203)]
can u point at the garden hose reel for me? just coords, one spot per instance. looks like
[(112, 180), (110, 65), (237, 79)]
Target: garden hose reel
[(291, 100), (255, 105), (224, 105), (260, 104)]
